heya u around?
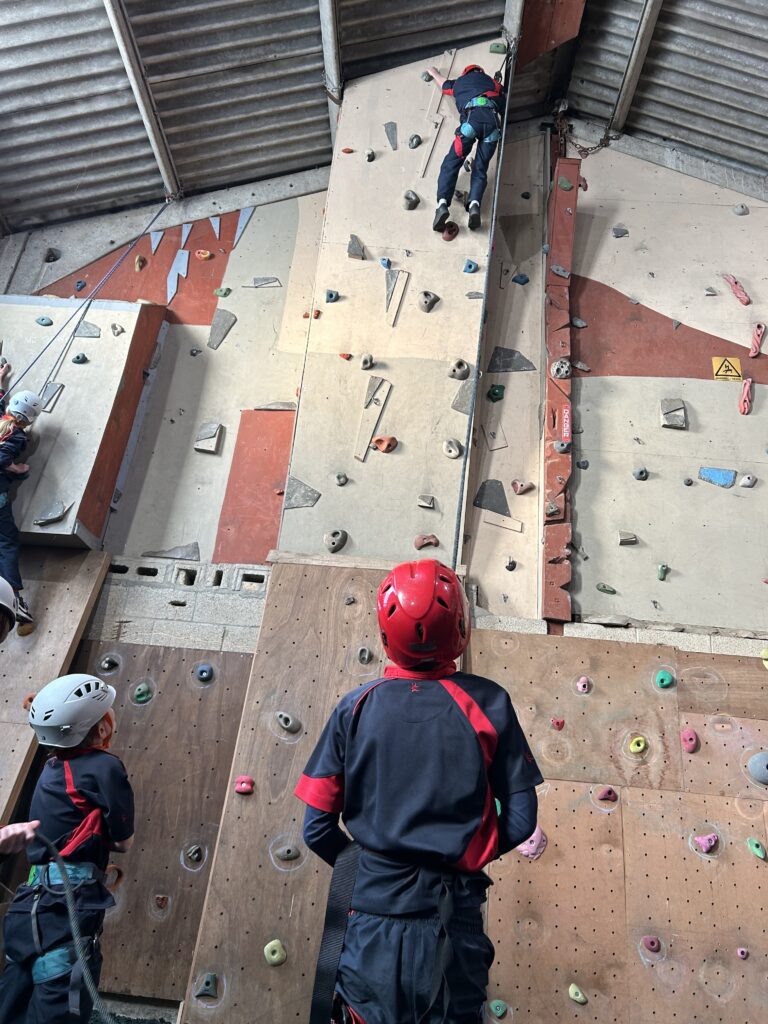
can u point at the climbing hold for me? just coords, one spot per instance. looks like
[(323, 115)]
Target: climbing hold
[(274, 953), (222, 293), (80, 358), (498, 1008), (204, 672), (410, 200), (559, 271), (742, 953), (161, 901), (495, 392), (576, 321), (584, 684), (414, 141), (560, 369), (203, 254), (452, 448), (638, 745), (757, 765), (118, 329), (745, 400), (564, 183), (428, 301), (521, 279), (244, 784), (209, 987), (52, 256), (619, 231), (662, 571), (719, 477), (426, 77), (384, 444), (335, 540), (428, 501), (370, 156), (641, 473), (604, 588), (108, 663), (459, 369), (331, 295), (551, 508), (676, 324), (345, 355), (139, 263), (348, 600), (607, 794), (741, 209), (341, 479), (426, 540), (664, 679), (355, 249), (347, 149), (288, 722), (366, 362), (44, 321), (194, 853), (470, 267), (756, 847), (737, 288), (364, 655), (627, 538), (687, 482), (690, 740), (511, 565), (706, 843), (674, 414), (534, 846), (709, 291), (521, 486), (562, 447), (79, 285), (557, 724), (142, 693), (385, 262), (450, 231), (758, 332), (575, 993), (287, 853), (499, 46), (652, 943)]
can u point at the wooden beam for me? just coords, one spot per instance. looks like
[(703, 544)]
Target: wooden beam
[(639, 52)]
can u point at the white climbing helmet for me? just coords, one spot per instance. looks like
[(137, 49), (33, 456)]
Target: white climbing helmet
[(8, 601), (66, 710), (26, 404)]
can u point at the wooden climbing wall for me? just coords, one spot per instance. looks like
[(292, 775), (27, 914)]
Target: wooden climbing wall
[(615, 872), (307, 658), (177, 749)]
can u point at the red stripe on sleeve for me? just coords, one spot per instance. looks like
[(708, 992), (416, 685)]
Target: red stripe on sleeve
[(447, 92), (325, 794)]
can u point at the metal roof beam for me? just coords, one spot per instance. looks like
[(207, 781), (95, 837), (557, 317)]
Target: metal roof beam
[(334, 86), (637, 55)]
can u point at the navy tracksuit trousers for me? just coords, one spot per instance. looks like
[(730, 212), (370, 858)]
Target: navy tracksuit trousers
[(458, 153), (9, 543)]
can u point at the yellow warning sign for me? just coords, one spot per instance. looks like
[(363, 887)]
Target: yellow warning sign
[(726, 368)]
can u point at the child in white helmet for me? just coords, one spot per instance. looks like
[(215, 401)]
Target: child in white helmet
[(83, 804), (16, 414)]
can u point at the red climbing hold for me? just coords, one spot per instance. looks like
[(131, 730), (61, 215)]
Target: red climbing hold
[(244, 784), (690, 740), (343, 355), (608, 794), (745, 401), (450, 231), (347, 150), (557, 723), (426, 540), (758, 332), (652, 943), (737, 288), (384, 444), (315, 314)]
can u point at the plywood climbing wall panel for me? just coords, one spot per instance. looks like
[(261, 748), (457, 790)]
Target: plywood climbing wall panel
[(701, 907), (177, 749), (719, 766), (711, 684), (306, 659), (560, 919), (541, 673)]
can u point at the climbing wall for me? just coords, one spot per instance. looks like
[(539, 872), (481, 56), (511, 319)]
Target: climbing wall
[(315, 622), (614, 873), (177, 747)]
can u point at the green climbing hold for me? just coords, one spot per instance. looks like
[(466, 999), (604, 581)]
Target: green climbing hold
[(664, 679), (498, 1008), (605, 589), (274, 953), (498, 47), (662, 571), (143, 693), (638, 745), (575, 993), (756, 847), (496, 392), (222, 292), (564, 184)]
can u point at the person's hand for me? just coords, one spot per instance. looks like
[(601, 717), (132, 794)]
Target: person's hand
[(5, 371), (17, 467), (13, 838), (433, 71)]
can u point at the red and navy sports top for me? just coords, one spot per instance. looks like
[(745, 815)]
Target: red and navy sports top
[(84, 803), (473, 84)]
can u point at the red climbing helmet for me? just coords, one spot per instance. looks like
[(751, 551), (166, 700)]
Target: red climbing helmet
[(472, 67), (423, 614)]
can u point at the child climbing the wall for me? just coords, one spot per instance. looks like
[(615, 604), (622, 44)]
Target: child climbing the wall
[(415, 763), (83, 804), (16, 416)]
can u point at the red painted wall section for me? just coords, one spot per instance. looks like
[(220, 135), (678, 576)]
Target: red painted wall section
[(250, 515), (194, 302), (547, 24), (94, 507), (624, 339)]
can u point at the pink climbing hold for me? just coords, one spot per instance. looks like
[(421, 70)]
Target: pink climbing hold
[(737, 288), (758, 333), (521, 486), (534, 847), (557, 723), (745, 401), (706, 843), (742, 953), (426, 540), (652, 943), (583, 684), (608, 794), (690, 740), (244, 784)]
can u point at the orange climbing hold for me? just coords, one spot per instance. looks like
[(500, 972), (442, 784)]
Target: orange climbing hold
[(384, 444), (203, 254)]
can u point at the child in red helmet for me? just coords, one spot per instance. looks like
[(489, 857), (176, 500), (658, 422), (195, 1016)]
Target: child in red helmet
[(415, 764)]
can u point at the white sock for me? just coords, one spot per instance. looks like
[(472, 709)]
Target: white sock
[(474, 202), (443, 202)]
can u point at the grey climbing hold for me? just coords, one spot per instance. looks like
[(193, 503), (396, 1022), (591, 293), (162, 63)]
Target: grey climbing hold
[(525, 195), (508, 360), (54, 513), (462, 401), (719, 477), (287, 853), (619, 231), (748, 480), (674, 414), (474, 295), (288, 722), (452, 448), (757, 766), (350, 600), (426, 501), (575, 993), (428, 301), (511, 565), (331, 295), (582, 463), (364, 655), (370, 156), (184, 552), (741, 209), (545, 248), (470, 267), (688, 482), (576, 321), (633, 300), (414, 141), (355, 249), (662, 571), (676, 324), (299, 495), (79, 285), (426, 77), (341, 479), (577, 364), (459, 369), (204, 672), (491, 497), (562, 447), (559, 271), (709, 292), (87, 330), (335, 540), (410, 200), (208, 987), (194, 853), (641, 473), (44, 321), (366, 362), (80, 358), (627, 538), (222, 323), (560, 369), (118, 329), (390, 129), (521, 279), (208, 437), (604, 588), (109, 663)]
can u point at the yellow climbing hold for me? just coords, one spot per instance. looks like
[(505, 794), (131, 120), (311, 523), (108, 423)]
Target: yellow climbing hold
[(274, 953), (575, 993), (638, 745)]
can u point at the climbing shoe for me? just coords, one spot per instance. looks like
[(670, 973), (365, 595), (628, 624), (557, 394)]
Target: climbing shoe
[(474, 215), (441, 217), (23, 614)]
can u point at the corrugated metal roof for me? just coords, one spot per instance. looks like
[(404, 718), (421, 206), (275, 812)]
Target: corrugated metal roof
[(605, 41), (704, 84), (72, 136), (238, 85)]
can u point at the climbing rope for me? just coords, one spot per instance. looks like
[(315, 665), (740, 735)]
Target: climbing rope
[(82, 309)]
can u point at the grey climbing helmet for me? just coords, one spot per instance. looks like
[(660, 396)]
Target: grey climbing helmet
[(25, 404), (66, 710)]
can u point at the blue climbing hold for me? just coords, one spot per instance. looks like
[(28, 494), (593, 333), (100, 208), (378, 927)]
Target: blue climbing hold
[(719, 477), (79, 285), (470, 267), (331, 295), (44, 321), (521, 279), (386, 262)]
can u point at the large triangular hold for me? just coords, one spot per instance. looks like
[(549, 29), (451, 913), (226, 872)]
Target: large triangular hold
[(216, 225), (155, 238), (300, 495), (87, 330), (355, 249), (508, 360), (242, 222), (390, 129), (490, 496), (222, 324), (391, 281), (185, 230)]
